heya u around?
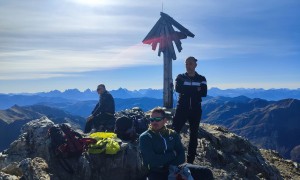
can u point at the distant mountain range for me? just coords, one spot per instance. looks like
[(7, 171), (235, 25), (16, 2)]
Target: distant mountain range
[(74, 95), (84, 108), (267, 124), (270, 94), (92, 95)]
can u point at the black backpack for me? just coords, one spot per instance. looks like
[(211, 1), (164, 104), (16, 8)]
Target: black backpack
[(124, 128), (141, 124), (130, 124)]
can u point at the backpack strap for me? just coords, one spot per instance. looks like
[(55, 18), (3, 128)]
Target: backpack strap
[(87, 141)]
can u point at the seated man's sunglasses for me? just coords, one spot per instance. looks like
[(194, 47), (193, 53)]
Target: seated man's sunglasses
[(156, 119)]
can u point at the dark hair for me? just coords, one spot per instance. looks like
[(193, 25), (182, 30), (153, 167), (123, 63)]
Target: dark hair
[(159, 110), (101, 85), (191, 58)]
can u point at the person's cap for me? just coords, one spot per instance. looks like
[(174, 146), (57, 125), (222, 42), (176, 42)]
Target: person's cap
[(191, 58)]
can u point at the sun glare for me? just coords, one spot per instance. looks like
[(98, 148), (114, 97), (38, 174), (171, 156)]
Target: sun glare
[(91, 2)]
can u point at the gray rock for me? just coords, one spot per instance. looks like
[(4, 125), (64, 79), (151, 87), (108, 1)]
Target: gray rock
[(32, 142), (13, 169), (35, 169), (230, 156), (4, 176)]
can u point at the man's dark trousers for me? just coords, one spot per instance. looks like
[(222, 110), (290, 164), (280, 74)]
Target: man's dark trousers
[(193, 116), (106, 120)]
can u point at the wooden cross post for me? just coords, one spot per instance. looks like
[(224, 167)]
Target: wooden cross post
[(168, 82), (164, 34)]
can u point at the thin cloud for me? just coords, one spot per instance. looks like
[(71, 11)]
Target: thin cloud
[(47, 62), (235, 48), (34, 76)]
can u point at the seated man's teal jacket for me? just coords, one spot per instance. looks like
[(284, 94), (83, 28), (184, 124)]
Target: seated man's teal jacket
[(157, 148)]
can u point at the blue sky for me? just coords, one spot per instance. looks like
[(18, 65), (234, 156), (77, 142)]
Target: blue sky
[(66, 44)]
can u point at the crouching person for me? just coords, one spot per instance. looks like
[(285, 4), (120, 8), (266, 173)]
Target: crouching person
[(161, 148)]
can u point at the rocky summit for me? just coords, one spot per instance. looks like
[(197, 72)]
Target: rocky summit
[(229, 157), (29, 157)]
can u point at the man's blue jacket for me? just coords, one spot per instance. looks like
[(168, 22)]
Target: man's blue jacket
[(158, 149)]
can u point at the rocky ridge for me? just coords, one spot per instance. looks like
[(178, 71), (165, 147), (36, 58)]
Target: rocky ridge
[(29, 157), (229, 157)]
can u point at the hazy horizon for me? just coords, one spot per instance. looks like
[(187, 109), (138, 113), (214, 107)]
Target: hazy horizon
[(94, 90)]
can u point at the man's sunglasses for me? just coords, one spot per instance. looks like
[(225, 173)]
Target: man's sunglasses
[(156, 119)]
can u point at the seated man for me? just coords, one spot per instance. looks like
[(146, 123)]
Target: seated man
[(161, 147), (102, 117)]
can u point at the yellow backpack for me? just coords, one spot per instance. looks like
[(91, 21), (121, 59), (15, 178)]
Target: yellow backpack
[(106, 141)]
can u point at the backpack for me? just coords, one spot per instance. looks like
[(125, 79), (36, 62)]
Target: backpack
[(141, 125), (130, 123), (65, 142), (124, 128), (106, 142)]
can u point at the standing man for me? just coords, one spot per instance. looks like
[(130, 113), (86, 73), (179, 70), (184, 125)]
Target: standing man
[(191, 87), (102, 117)]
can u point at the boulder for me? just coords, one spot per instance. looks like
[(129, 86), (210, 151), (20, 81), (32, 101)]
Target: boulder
[(5, 176), (230, 156), (36, 168)]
